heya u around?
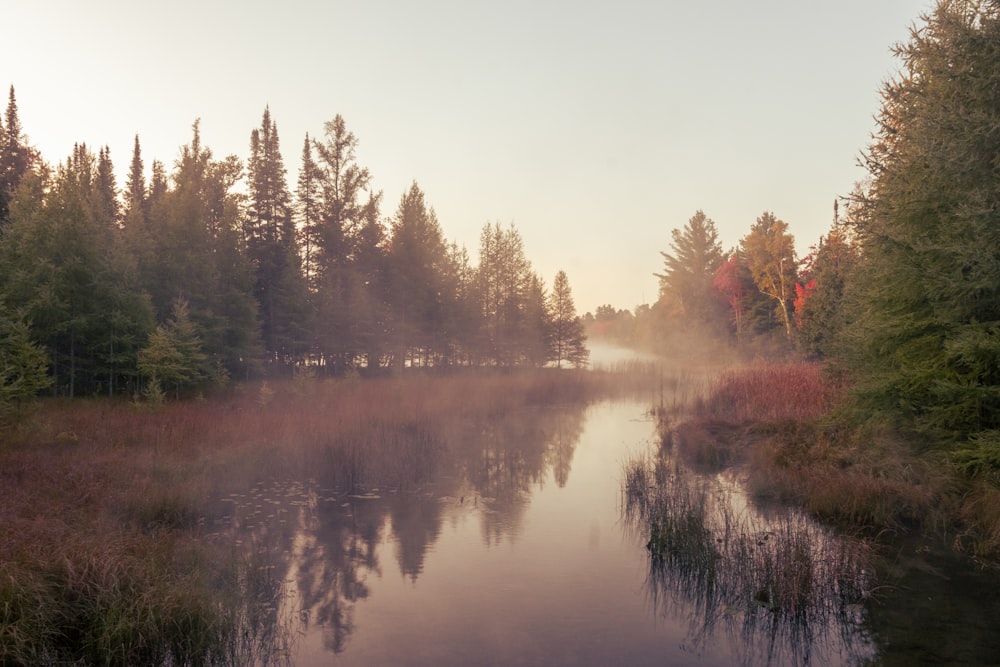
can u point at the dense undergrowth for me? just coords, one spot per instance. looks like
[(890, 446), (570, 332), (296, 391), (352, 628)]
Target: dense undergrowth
[(102, 503), (789, 427)]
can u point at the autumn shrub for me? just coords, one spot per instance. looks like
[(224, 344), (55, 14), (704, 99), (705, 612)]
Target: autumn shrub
[(771, 392)]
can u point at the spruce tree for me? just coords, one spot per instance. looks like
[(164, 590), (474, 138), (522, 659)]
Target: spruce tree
[(341, 182), (926, 335), (417, 265), (568, 336), (272, 247), (23, 364), (16, 157), (689, 269)]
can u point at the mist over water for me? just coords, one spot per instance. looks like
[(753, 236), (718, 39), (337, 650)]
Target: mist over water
[(516, 553)]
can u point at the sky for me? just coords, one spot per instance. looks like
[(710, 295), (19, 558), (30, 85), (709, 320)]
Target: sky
[(595, 128)]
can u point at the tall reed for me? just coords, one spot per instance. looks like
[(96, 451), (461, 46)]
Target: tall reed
[(783, 583)]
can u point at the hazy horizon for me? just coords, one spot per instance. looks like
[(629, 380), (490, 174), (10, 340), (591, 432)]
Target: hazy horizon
[(595, 131)]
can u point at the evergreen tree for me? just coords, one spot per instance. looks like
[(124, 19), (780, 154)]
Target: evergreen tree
[(272, 246), (16, 157), (308, 197), (568, 337), (340, 182), (417, 264), (503, 277), (65, 268), (23, 364), (370, 296), (926, 333), (173, 355), (195, 251), (689, 270), (136, 208), (536, 339), (819, 302)]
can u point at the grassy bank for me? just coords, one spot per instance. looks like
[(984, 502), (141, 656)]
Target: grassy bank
[(103, 503), (788, 427)]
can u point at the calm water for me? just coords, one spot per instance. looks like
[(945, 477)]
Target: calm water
[(516, 555)]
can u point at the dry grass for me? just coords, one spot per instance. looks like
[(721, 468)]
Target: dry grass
[(783, 583), (781, 422), (101, 503), (771, 392)]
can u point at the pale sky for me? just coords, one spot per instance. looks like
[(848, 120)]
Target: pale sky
[(595, 128)]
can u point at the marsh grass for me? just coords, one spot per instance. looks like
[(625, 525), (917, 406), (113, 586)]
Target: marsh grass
[(782, 585), (790, 428), (104, 504)]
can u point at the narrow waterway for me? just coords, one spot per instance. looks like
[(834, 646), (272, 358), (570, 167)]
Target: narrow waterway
[(519, 555)]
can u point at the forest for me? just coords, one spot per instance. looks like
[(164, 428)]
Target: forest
[(901, 298), (858, 385), (214, 270), (218, 270)]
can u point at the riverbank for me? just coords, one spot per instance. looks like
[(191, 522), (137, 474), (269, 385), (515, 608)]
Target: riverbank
[(782, 426), (104, 504)]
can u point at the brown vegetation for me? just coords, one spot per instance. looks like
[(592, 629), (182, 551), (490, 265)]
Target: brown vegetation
[(102, 503), (785, 425)]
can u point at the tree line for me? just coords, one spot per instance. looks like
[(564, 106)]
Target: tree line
[(902, 295), (217, 269)]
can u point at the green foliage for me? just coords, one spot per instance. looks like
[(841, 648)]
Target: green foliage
[(173, 355), (508, 292), (191, 247), (64, 265), (568, 337), (273, 249), (819, 303), (926, 299), (418, 270), (689, 269), (769, 252), (23, 365)]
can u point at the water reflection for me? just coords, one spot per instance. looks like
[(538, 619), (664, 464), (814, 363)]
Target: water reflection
[(781, 589), (322, 539)]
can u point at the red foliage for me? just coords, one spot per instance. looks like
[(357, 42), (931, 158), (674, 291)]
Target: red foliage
[(802, 296)]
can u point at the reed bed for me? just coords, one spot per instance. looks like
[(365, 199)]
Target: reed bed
[(103, 504), (783, 585), (789, 428), (771, 392)]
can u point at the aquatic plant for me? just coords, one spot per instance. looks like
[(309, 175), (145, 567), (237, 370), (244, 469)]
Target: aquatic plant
[(780, 584)]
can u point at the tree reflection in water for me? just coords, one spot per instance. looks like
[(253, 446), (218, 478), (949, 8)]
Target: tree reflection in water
[(322, 536), (782, 589)]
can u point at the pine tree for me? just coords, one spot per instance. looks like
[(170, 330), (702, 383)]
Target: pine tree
[(174, 356), (16, 157), (340, 182), (23, 364), (819, 302), (417, 265), (568, 336), (64, 266), (196, 252), (136, 209), (503, 278), (689, 269), (925, 342), (272, 246)]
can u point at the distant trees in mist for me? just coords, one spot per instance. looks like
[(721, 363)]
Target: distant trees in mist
[(902, 295), (216, 269)]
